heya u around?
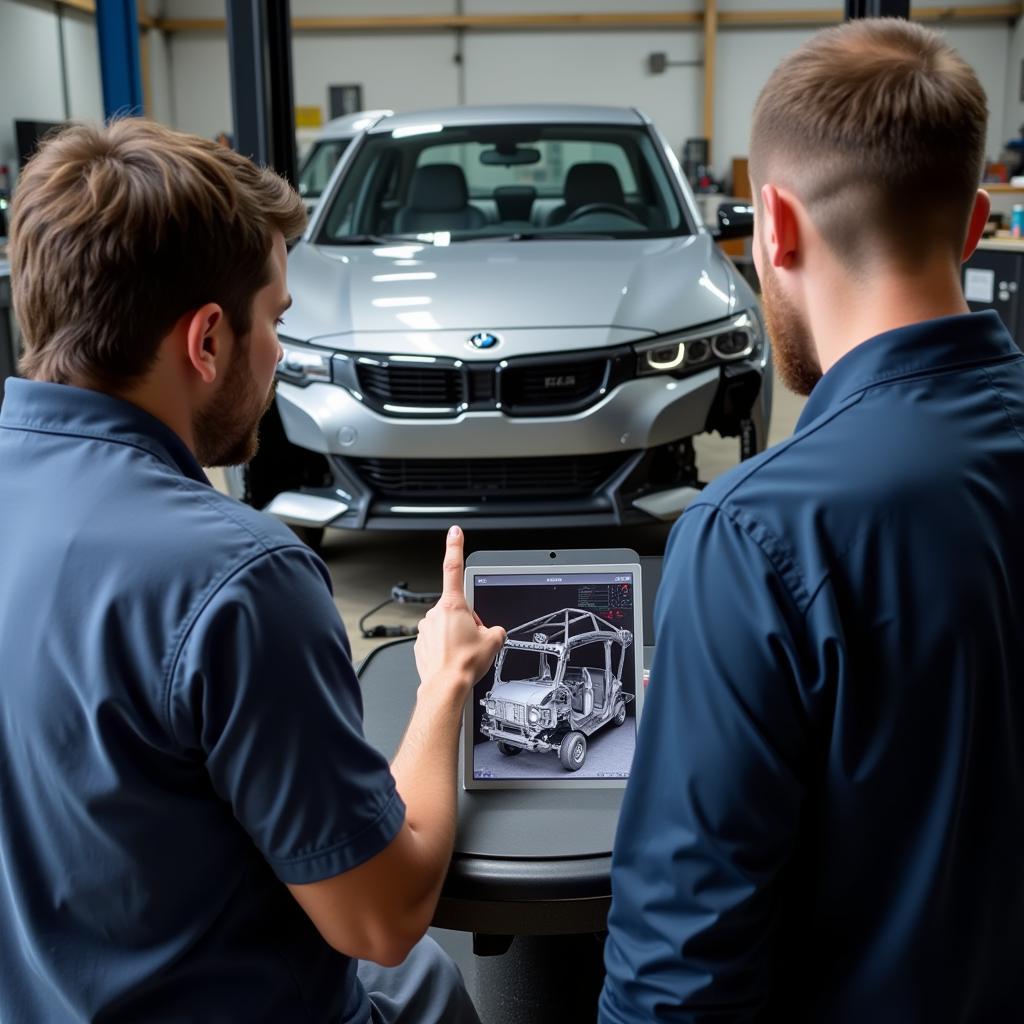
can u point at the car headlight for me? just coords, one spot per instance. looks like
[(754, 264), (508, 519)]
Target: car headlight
[(688, 351), (732, 345), (303, 364), (534, 716), (490, 707)]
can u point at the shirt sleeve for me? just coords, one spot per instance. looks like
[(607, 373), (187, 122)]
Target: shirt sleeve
[(711, 812), (264, 691)]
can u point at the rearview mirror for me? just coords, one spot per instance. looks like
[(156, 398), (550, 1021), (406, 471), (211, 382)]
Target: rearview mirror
[(509, 157)]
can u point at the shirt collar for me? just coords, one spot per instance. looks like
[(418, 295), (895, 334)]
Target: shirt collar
[(80, 412), (927, 347)]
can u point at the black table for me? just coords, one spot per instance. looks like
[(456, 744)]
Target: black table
[(532, 865)]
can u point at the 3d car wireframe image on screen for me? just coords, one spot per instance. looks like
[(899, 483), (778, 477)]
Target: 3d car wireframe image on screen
[(560, 699)]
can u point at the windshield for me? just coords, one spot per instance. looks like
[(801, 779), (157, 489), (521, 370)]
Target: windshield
[(446, 185), (319, 166), (524, 666)]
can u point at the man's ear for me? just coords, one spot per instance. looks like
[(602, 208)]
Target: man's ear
[(781, 234), (204, 341), (976, 225)]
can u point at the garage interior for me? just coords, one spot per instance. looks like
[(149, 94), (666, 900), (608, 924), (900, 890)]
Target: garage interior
[(694, 67)]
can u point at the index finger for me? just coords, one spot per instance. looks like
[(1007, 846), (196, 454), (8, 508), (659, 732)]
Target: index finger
[(452, 570)]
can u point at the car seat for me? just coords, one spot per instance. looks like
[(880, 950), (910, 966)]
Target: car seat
[(583, 694), (586, 184), (515, 202), (438, 200), (600, 680)]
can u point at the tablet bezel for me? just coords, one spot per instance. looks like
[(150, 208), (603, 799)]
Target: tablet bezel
[(480, 565)]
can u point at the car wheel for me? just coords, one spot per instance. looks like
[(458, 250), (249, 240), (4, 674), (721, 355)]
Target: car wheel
[(619, 718), (311, 536), (508, 749), (572, 751)]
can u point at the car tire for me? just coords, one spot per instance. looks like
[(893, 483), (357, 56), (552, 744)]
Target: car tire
[(619, 718), (237, 480), (311, 536), (508, 749), (572, 751)]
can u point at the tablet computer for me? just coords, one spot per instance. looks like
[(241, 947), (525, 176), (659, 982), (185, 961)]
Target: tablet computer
[(561, 704)]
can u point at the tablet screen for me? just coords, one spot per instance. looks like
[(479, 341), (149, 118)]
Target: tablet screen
[(560, 702)]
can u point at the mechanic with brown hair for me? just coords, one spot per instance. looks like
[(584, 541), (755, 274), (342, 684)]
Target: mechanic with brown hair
[(825, 819), (192, 825)]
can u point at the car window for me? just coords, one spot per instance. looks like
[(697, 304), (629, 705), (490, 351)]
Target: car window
[(527, 665), (547, 175), (450, 185), (319, 166)]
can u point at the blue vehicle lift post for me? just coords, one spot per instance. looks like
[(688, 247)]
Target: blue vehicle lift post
[(260, 49), (117, 28), (260, 52)]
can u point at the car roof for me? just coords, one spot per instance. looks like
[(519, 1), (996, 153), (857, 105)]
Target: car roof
[(533, 113), (351, 124)]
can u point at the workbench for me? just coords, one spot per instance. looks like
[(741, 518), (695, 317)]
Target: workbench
[(993, 278)]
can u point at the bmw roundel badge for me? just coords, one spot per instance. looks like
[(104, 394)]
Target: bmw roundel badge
[(484, 340)]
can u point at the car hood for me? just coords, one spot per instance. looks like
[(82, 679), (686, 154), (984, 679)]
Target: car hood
[(536, 295), (521, 692)]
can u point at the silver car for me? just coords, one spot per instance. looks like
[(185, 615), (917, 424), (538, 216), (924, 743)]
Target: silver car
[(328, 148), (513, 315)]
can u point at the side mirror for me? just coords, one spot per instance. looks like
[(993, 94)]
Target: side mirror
[(735, 220)]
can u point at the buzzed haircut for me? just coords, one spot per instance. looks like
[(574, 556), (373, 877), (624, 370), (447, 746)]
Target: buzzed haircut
[(119, 230), (878, 127)]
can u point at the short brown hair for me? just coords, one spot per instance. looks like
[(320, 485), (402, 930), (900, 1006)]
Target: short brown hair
[(118, 230), (878, 126)]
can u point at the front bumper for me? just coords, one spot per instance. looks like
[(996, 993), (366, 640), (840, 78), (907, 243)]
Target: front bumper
[(517, 739), (625, 460), (638, 414)]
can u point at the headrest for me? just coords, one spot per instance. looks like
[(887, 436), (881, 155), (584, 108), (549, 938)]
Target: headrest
[(438, 188), (515, 202), (593, 183)]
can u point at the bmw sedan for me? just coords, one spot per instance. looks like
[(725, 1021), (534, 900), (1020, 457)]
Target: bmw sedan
[(327, 149), (513, 316)]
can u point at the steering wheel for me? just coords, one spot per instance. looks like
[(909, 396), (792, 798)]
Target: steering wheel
[(589, 208)]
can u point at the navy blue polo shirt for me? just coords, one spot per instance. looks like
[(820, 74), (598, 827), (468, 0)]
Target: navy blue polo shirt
[(825, 820), (180, 735)]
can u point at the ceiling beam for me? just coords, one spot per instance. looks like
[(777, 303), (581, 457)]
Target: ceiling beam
[(450, 22), (640, 20), (89, 7), (783, 18)]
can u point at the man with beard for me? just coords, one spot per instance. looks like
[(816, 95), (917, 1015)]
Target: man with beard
[(825, 817), (192, 825)]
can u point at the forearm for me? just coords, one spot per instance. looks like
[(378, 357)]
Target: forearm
[(453, 650)]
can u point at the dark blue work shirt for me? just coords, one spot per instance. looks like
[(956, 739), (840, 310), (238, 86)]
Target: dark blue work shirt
[(825, 820), (180, 735)]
